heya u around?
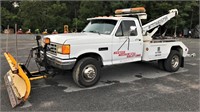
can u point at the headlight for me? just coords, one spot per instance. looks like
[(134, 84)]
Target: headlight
[(59, 48), (63, 49)]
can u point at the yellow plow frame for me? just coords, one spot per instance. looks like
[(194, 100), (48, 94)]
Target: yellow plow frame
[(17, 81)]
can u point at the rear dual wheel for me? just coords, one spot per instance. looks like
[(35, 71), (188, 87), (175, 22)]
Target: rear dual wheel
[(172, 63)]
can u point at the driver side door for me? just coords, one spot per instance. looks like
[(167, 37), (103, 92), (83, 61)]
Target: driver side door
[(126, 45)]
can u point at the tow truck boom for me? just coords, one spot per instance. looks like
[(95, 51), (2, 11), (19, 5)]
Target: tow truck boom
[(159, 22)]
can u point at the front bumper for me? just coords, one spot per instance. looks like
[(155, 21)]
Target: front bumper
[(66, 64)]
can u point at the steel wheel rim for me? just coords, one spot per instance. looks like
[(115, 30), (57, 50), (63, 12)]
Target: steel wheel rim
[(89, 73), (175, 61)]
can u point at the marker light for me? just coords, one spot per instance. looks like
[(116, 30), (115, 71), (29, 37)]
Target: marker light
[(47, 40), (147, 49)]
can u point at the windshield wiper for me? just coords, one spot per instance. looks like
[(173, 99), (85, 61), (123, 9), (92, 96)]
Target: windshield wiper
[(94, 32)]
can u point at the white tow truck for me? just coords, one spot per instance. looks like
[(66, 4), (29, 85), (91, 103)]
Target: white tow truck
[(114, 40), (104, 41)]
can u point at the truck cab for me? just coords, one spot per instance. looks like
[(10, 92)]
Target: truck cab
[(108, 37)]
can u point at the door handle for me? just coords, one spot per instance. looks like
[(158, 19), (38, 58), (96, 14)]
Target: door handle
[(103, 49), (137, 39)]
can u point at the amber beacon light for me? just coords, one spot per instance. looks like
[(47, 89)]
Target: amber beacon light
[(47, 40), (130, 10)]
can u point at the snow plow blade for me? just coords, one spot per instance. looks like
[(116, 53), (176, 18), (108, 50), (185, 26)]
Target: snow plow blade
[(17, 83)]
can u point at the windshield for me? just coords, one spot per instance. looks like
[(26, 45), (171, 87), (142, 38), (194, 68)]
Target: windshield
[(101, 26)]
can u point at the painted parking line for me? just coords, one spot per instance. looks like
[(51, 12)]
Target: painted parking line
[(193, 64), (126, 79), (26, 104), (70, 86)]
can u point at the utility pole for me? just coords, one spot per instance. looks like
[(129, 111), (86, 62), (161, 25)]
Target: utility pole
[(190, 31), (191, 20), (76, 20)]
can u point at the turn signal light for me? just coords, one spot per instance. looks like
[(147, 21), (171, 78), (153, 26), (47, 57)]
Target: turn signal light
[(47, 40), (66, 49)]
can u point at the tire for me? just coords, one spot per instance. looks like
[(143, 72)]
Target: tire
[(173, 61), (86, 72), (161, 64)]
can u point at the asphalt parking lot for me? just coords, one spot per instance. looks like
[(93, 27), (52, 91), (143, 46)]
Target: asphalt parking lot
[(137, 86)]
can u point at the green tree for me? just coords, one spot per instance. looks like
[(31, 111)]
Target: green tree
[(8, 15), (53, 15), (33, 14), (90, 9), (57, 16)]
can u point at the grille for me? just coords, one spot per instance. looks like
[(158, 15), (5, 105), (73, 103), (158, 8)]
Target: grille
[(52, 48)]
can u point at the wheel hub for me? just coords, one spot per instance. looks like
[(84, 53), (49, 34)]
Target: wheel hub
[(89, 72), (175, 61)]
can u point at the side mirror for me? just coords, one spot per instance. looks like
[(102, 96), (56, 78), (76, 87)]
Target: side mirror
[(133, 30), (38, 37)]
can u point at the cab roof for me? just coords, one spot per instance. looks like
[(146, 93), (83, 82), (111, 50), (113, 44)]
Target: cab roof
[(140, 12), (108, 17)]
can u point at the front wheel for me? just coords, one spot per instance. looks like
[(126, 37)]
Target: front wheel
[(173, 61), (86, 72)]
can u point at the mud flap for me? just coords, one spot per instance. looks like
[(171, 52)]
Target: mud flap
[(182, 62)]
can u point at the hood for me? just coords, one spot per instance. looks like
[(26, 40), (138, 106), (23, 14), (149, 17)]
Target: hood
[(62, 38)]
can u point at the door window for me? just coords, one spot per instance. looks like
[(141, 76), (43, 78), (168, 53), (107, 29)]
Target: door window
[(124, 29)]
